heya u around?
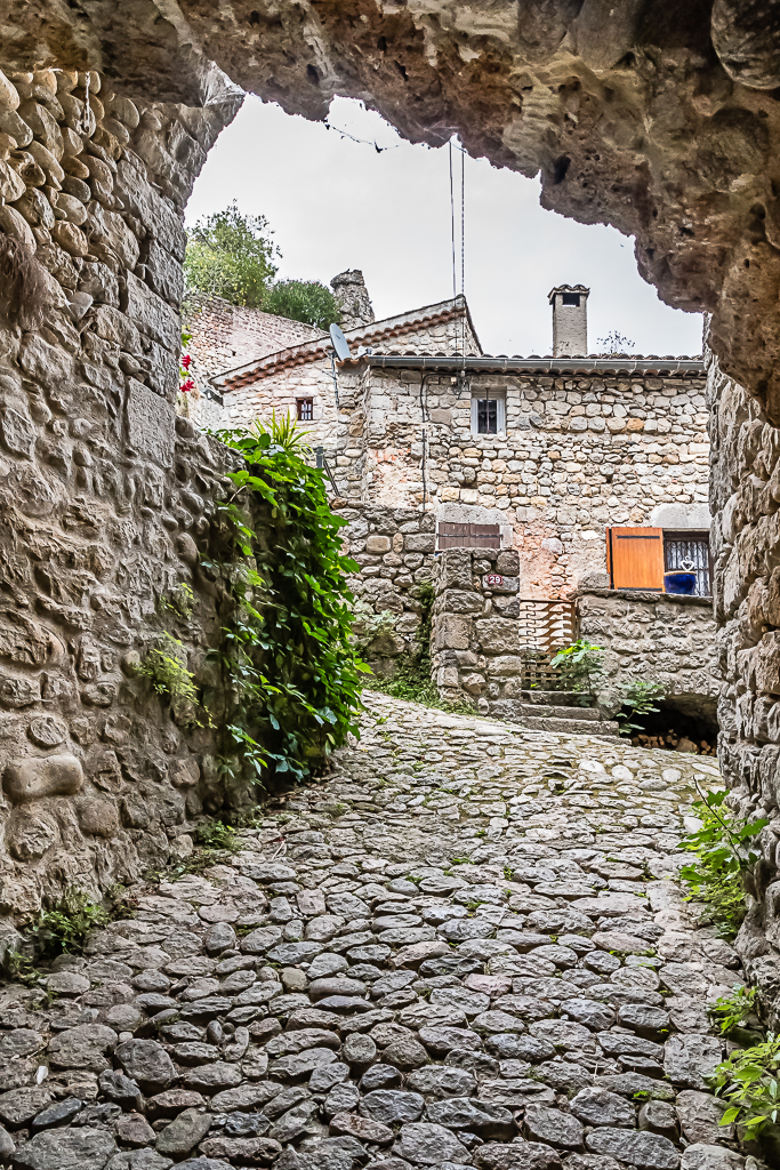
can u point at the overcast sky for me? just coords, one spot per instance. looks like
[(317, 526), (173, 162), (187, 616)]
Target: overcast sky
[(334, 204)]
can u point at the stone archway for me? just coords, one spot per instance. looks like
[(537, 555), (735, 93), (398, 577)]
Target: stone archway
[(661, 121)]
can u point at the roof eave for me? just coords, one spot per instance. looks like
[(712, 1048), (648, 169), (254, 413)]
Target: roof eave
[(683, 366)]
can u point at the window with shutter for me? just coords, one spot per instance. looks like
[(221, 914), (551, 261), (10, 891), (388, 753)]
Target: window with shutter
[(635, 558)]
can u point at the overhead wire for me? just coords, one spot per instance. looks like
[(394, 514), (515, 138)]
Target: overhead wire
[(362, 141), (463, 251), (452, 219)]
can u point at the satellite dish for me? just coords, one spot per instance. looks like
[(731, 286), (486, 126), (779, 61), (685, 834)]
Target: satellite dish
[(339, 343)]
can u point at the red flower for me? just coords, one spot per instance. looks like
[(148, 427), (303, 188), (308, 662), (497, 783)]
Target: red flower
[(186, 361), (188, 384)]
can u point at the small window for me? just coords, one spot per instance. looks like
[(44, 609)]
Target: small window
[(451, 535), (572, 299), (488, 415), (305, 409), (689, 552)]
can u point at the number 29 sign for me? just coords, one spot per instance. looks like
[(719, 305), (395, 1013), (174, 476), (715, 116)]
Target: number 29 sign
[(494, 579)]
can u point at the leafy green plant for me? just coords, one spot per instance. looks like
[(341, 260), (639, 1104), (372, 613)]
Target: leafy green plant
[(61, 928), (723, 857), (639, 697), (579, 665), (749, 1081), (165, 666), (216, 836), (180, 601), (303, 300), (66, 925), (289, 673), (730, 1012), (231, 255)]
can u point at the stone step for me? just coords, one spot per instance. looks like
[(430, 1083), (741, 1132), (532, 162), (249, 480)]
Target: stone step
[(605, 728), (549, 711), (556, 698)]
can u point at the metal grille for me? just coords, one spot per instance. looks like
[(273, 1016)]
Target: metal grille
[(693, 547), (544, 628), (487, 416), (452, 535)]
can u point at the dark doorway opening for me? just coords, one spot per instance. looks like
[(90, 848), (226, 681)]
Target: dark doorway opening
[(681, 725)]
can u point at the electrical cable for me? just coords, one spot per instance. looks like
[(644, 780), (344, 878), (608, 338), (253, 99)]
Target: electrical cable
[(452, 221), (463, 251), (424, 416), (362, 141)]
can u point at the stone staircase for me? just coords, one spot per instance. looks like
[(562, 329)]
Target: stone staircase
[(560, 711)]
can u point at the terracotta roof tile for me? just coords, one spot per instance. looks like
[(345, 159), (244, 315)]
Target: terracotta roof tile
[(262, 366), (225, 335)]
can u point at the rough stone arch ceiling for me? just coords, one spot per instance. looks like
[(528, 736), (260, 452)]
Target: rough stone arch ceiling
[(659, 118)]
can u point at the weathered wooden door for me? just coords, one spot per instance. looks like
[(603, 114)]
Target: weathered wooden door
[(635, 558)]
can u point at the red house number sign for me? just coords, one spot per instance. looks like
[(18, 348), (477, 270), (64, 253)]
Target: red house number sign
[(494, 579)]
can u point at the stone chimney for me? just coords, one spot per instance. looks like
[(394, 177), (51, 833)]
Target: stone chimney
[(570, 320), (349, 289)]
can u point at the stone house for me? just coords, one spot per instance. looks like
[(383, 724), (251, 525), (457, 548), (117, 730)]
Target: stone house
[(585, 474), (590, 470), (223, 335), (589, 466)]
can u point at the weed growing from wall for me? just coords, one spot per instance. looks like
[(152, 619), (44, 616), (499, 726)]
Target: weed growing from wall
[(290, 675), (180, 601), (165, 666), (639, 698), (732, 1012), (412, 674), (723, 858)]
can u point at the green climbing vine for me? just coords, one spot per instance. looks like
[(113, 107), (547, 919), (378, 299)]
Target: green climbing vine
[(290, 677)]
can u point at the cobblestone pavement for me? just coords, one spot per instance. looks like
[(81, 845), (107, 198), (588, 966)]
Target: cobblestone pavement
[(462, 950)]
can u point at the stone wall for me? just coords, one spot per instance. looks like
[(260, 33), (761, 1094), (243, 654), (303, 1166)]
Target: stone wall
[(655, 636), (477, 636), (579, 453), (105, 497), (394, 549), (475, 639), (746, 498)]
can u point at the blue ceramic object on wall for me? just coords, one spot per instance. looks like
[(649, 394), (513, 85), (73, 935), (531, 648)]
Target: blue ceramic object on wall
[(684, 583)]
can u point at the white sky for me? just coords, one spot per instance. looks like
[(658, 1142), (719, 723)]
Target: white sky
[(335, 204)]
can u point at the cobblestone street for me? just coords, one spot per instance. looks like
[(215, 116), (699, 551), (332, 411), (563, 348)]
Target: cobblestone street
[(465, 949)]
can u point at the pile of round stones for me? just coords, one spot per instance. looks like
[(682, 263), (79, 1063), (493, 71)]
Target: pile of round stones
[(464, 949)]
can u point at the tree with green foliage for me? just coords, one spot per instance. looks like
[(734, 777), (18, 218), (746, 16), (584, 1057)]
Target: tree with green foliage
[(231, 255), (303, 300)]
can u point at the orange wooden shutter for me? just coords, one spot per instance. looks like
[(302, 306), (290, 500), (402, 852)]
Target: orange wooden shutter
[(635, 558)]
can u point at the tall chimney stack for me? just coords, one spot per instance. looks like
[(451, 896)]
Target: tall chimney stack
[(349, 289), (570, 320)]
